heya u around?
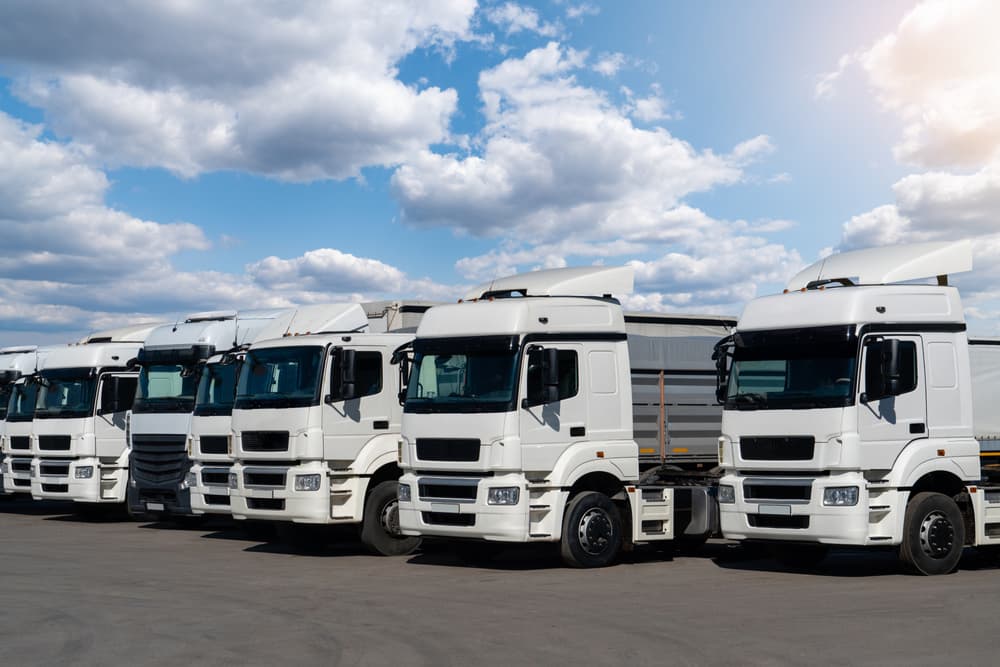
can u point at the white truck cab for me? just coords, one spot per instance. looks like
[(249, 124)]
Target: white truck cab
[(848, 413), (520, 422), (78, 439), (17, 400)]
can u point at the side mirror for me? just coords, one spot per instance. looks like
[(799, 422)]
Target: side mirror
[(882, 376), (132, 363), (404, 379), (721, 355), (348, 366), (550, 375), (115, 394)]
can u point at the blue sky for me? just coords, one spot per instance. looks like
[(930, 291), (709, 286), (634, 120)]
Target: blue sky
[(162, 159)]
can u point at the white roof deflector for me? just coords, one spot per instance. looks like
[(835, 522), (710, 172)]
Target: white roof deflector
[(576, 281), (890, 264)]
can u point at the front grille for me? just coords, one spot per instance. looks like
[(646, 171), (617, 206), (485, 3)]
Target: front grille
[(266, 503), (448, 449), (214, 444), (53, 443), (265, 441), (767, 448), (449, 491), (55, 488), (159, 459), (58, 468), (20, 442), (213, 499), (777, 491), (448, 519), (215, 477), (22, 482), (777, 521), (21, 466), (254, 478)]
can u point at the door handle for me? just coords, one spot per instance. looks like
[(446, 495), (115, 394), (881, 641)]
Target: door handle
[(381, 425), (577, 431)]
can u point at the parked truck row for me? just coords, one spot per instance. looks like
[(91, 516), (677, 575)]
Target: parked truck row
[(851, 410)]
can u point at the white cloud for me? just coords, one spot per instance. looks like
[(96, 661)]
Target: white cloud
[(515, 18), (582, 10), (608, 64), (193, 88)]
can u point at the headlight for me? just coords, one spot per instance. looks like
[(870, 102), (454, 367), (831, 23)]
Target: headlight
[(84, 472), (403, 493), (233, 481), (840, 496), (503, 495), (727, 494), (190, 480), (307, 482)]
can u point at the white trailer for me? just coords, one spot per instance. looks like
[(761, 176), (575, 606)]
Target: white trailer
[(315, 430), (523, 409), (849, 413), (211, 441), (78, 435), (16, 396)]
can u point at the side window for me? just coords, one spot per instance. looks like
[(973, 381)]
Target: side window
[(367, 375), (569, 376), (126, 394)]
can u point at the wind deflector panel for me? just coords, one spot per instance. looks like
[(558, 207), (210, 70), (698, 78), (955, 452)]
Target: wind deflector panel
[(448, 449), (776, 448)]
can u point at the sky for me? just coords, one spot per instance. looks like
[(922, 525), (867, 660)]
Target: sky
[(160, 159)]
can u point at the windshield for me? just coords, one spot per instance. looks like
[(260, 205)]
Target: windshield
[(463, 375), (804, 369), (5, 392), (280, 377), (65, 393), (21, 405), (217, 389), (165, 388)]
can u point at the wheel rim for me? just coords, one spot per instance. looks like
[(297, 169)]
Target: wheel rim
[(937, 535), (389, 518), (595, 531)]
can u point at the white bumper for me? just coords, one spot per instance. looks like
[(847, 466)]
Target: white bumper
[(17, 474), (268, 493), (57, 479), (211, 492)]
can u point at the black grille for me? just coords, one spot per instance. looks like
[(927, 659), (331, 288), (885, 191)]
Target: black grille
[(777, 521), (266, 503), (20, 442), (447, 519), (53, 443), (21, 466), (22, 482), (265, 441), (251, 478), (159, 459), (59, 468), (776, 492), (214, 444), (790, 448), (213, 499), (215, 477), (448, 491), (447, 449), (55, 488)]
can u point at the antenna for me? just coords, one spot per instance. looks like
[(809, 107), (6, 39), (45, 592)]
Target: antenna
[(177, 320), (290, 321), (236, 329)]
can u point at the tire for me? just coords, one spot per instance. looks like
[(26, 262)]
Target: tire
[(800, 556), (933, 534), (591, 531), (380, 524)]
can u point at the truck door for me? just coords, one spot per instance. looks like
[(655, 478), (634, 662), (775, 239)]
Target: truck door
[(547, 429), (888, 424), (349, 424), (109, 422)]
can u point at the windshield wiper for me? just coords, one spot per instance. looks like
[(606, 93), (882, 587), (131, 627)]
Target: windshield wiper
[(750, 400)]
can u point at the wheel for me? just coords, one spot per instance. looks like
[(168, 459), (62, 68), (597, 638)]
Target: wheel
[(800, 556), (477, 553), (380, 524), (591, 531), (933, 534)]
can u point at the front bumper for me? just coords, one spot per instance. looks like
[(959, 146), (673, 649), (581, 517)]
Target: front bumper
[(210, 493), (55, 479), (173, 499), (777, 519), (268, 492), (432, 512), (17, 474)]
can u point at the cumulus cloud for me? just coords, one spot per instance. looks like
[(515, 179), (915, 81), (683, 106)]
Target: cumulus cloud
[(193, 88), (582, 10), (514, 18)]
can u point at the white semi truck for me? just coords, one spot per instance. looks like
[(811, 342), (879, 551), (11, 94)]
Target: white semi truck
[(315, 430), (18, 398), (522, 414), (170, 364), (78, 441), (211, 439), (849, 413)]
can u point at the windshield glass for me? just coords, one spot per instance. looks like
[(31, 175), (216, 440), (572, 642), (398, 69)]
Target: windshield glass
[(279, 377), (463, 375), (217, 389), (5, 391), (66, 392), (165, 388), (21, 405), (793, 370)]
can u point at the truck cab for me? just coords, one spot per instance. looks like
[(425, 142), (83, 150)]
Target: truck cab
[(519, 421), (17, 401), (848, 410)]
